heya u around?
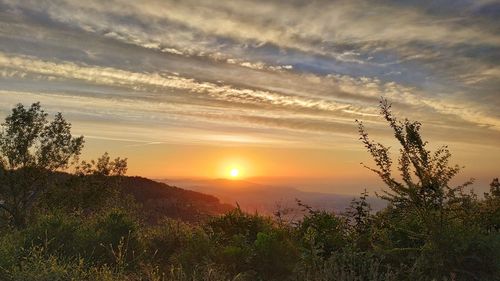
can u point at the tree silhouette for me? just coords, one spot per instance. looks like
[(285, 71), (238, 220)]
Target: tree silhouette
[(103, 166), (31, 147), (425, 175), (425, 213), (491, 207)]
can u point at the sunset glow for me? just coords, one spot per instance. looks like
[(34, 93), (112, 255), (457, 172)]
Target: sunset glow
[(197, 88), (261, 140)]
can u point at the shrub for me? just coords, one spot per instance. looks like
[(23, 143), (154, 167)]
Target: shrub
[(275, 255), (173, 243), (322, 233), (345, 266), (118, 239), (237, 223)]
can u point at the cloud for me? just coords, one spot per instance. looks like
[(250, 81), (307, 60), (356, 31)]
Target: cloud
[(148, 91), (262, 67), (134, 80), (346, 37), (320, 27)]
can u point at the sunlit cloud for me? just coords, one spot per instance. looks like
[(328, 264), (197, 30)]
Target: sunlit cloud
[(254, 72)]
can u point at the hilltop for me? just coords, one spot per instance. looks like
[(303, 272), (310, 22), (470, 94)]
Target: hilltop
[(160, 199)]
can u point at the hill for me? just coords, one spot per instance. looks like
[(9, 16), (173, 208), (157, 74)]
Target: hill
[(159, 200)]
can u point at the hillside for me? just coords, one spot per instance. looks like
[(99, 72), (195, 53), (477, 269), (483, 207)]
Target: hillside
[(159, 200)]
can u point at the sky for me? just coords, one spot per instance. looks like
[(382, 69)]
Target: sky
[(194, 88)]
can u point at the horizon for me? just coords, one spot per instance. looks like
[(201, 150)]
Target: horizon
[(265, 91)]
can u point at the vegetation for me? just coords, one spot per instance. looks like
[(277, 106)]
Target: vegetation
[(97, 224)]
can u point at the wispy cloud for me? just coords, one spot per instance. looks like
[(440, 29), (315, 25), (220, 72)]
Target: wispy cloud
[(251, 71)]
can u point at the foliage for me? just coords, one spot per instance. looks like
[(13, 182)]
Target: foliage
[(347, 265), (360, 221), (83, 226), (31, 146), (322, 233), (103, 166), (491, 208), (429, 224), (425, 175), (28, 139)]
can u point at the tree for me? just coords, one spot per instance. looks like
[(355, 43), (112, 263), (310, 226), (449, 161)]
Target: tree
[(425, 175), (103, 166), (494, 188), (94, 186), (31, 148), (426, 215), (490, 211)]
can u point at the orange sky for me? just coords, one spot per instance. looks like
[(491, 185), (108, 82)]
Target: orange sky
[(324, 169), (194, 88)]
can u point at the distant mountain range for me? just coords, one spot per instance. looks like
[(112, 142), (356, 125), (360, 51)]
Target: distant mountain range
[(267, 199), (198, 199)]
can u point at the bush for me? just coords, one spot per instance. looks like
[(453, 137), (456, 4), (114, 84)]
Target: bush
[(176, 243), (275, 255), (322, 233), (345, 266), (63, 233), (253, 245), (11, 245), (118, 237), (237, 223)]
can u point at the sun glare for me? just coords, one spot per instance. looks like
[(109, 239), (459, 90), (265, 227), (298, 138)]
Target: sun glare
[(234, 172)]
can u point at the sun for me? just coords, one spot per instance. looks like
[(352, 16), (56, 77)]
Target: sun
[(234, 172)]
